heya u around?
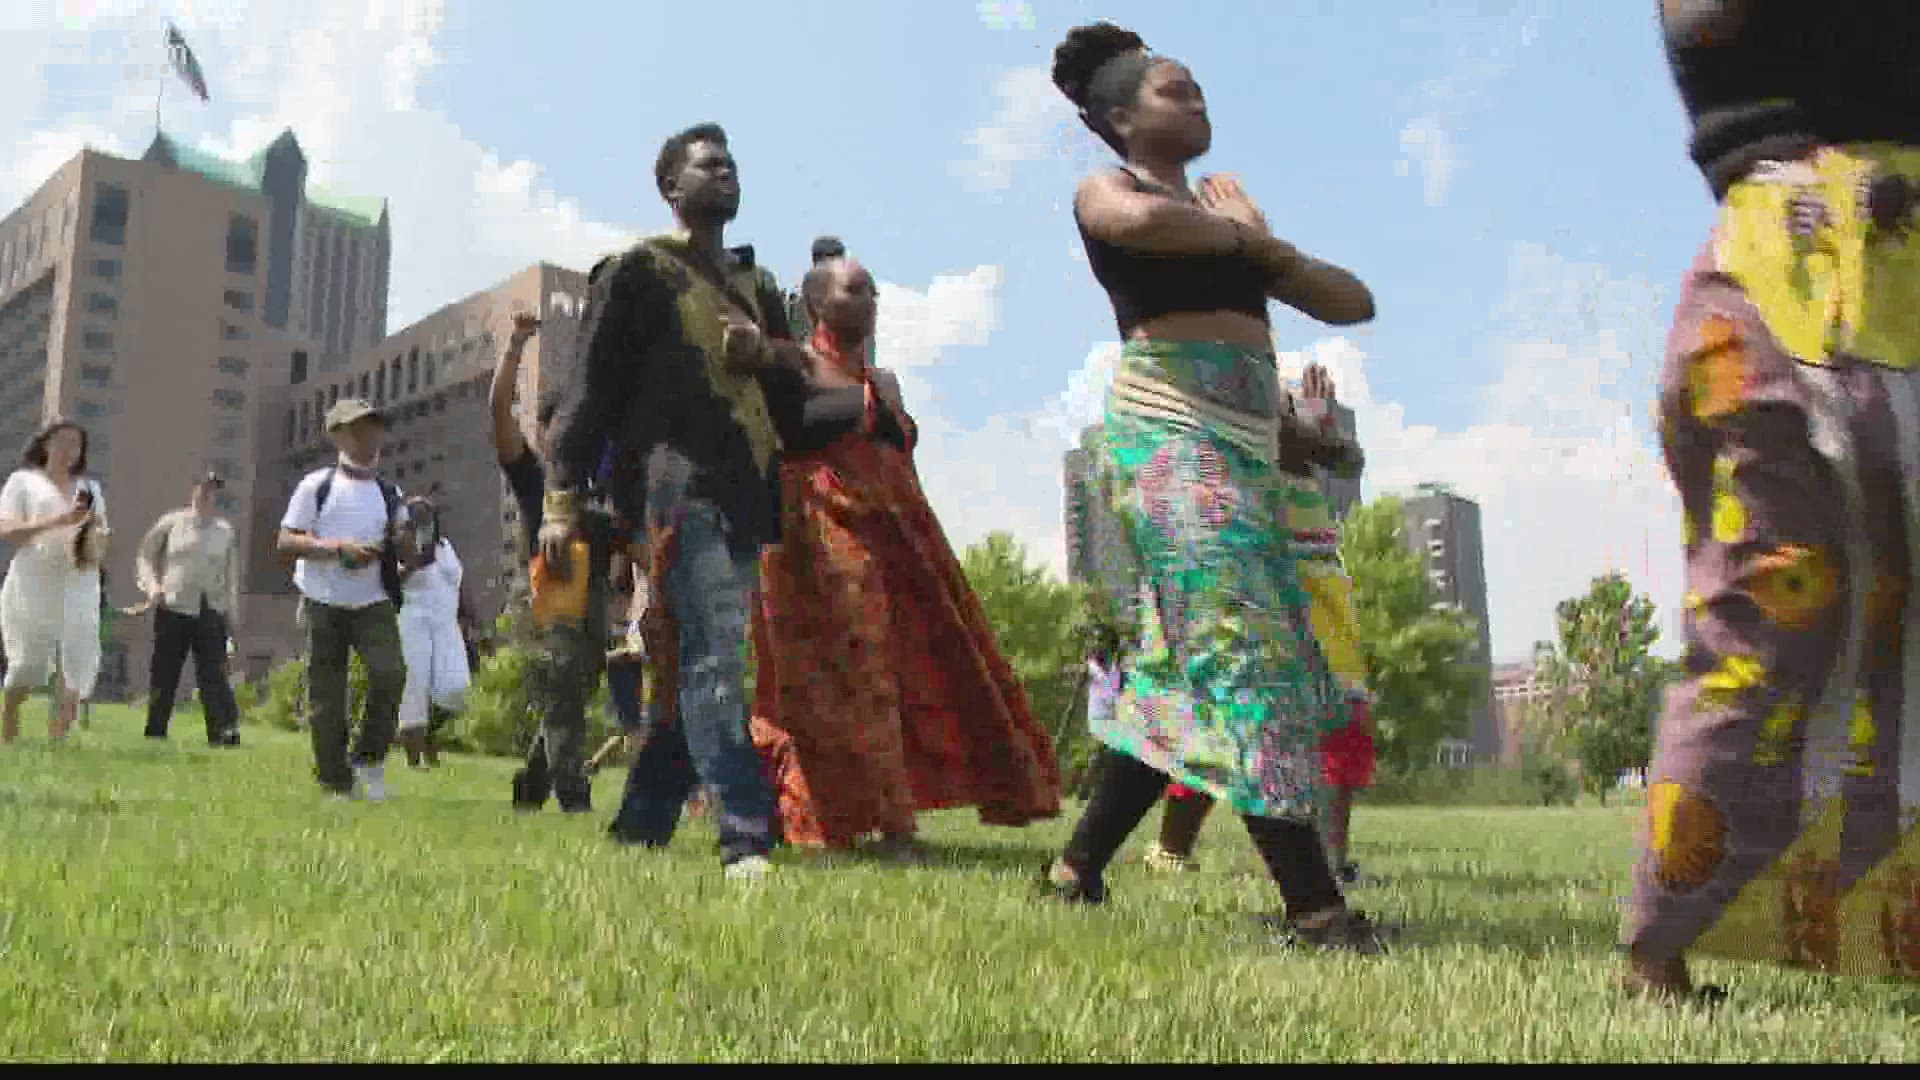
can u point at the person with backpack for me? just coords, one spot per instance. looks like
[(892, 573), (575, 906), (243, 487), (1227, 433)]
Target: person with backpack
[(342, 525)]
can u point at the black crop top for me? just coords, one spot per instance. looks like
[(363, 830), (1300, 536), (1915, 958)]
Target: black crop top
[(809, 418), (1761, 79), (1144, 285)]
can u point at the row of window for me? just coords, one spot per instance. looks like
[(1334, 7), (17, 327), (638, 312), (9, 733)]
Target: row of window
[(113, 208), (303, 422), (24, 246)]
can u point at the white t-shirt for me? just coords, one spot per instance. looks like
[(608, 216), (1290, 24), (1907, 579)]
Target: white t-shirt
[(435, 589), (354, 511), (29, 494)]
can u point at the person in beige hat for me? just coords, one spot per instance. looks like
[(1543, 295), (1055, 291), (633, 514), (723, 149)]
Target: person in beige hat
[(189, 567), (343, 526)]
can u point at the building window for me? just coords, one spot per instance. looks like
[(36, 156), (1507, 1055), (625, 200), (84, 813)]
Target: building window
[(243, 238), (393, 376), (365, 385), (430, 365), (105, 269), (333, 395), (102, 304), (110, 209), (239, 301), (96, 340), (293, 426), (297, 370), (306, 421), (233, 365), (226, 503), (226, 468), (98, 376), (413, 369), (232, 331), (89, 410), (226, 434), (380, 385), (229, 400)]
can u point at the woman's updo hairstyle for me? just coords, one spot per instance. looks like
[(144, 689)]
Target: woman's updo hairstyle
[(1100, 67)]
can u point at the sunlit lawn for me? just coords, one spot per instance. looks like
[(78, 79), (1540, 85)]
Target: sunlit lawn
[(176, 903)]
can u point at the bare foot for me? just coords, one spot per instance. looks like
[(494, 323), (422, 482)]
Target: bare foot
[(1666, 982)]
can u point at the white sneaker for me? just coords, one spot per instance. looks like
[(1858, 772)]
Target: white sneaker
[(370, 782), (751, 867)]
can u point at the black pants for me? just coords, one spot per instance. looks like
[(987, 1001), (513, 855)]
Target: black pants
[(1127, 789), (205, 635)]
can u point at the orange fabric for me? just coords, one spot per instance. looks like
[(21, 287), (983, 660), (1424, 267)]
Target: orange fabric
[(880, 691)]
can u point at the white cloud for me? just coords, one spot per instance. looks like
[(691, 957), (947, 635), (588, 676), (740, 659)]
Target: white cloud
[(345, 78), (1561, 460), (1426, 147), (1026, 126)]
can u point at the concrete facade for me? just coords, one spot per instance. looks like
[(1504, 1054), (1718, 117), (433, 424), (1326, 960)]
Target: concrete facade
[(1443, 528), (194, 312)]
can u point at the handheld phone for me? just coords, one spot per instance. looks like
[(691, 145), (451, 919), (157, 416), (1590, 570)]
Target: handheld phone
[(84, 499)]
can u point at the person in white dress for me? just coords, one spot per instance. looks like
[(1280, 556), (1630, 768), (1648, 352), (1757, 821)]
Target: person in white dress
[(430, 639), (54, 516)]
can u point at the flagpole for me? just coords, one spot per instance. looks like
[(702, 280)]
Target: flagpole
[(158, 94)]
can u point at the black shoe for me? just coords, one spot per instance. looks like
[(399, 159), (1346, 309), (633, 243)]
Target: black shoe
[(525, 795), (582, 806), (1348, 931), (1060, 882)]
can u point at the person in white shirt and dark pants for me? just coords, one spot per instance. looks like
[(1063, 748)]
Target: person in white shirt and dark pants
[(342, 525), (189, 567), (430, 638)]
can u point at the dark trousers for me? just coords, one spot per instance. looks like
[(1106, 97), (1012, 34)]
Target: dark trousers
[(1127, 789), (204, 635), (333, 633)]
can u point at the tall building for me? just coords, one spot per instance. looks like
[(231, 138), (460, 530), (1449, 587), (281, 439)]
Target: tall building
[(431, 379), (1095, 540), (1444, 530), (138, 297)]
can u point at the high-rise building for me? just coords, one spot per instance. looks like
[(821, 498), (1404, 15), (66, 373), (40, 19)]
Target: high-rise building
[(137, 298), (1443, 528), (431, 379)]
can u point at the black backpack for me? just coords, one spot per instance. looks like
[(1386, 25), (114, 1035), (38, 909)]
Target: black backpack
[(389, 552)]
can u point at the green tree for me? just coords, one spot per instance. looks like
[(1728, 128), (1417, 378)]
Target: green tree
[(1040, 625), (1604, 681), (1419, 653)]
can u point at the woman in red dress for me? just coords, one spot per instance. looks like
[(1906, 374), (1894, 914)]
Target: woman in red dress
[(879, 689)]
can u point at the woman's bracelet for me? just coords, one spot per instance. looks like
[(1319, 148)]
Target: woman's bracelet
[(558, 504)]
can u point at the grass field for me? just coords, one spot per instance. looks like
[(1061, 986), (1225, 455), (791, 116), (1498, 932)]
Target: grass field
[(166, 903)]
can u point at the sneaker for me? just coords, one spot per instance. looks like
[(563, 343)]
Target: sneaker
[(1160, 860), (370, 781), (748, 868), (1348, 931)]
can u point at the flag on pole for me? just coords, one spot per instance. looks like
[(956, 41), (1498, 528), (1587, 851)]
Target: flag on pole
[(184, 65)]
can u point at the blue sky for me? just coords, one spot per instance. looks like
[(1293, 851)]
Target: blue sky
[(1510, 177)]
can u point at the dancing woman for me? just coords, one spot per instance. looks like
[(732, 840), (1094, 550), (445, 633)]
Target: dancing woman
[(1790, 420), (880, 690), (1225, 691)]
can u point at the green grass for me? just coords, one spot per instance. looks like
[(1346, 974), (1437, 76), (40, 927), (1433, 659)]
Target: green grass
[(166, 903)]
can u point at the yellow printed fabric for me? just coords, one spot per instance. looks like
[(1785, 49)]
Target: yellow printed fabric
[(1821, 248)]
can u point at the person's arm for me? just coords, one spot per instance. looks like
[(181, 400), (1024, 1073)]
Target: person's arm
[(233, 578), (296, 537), (16, 526), (1323, 291), (509, 442), (1111, 206), (888, 386), (621, 317), (149, 562)]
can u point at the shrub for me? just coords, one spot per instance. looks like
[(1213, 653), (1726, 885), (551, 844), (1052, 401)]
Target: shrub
[(1483, 785)]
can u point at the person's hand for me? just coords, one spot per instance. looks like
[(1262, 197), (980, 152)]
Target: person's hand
[(742, 342), (354, 554), (72, 515), (1224, 196), (1316, 383), (525, 325), (556, 538)]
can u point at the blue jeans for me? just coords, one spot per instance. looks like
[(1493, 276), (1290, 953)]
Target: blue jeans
[(708, 593)]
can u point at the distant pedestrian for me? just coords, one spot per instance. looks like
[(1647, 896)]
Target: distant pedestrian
[(189, 567), (430, 638)]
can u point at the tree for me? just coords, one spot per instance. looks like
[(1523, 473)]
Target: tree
[(1040, 625), (1603, 680), (1419, 653)]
